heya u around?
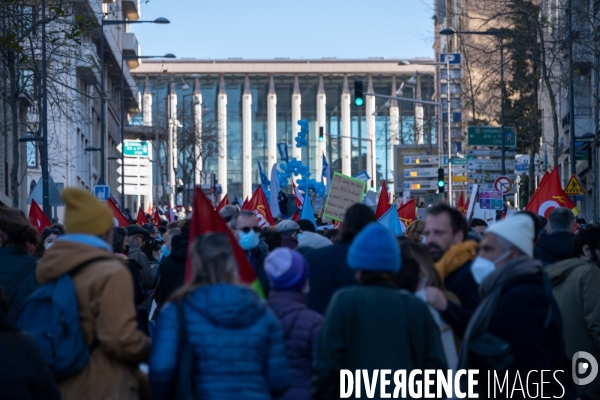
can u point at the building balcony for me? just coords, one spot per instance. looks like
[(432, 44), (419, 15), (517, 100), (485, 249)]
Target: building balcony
[(131, 9), (88, 66), (131, 47)]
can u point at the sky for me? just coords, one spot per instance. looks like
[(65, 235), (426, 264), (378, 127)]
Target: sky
[(266, 29)]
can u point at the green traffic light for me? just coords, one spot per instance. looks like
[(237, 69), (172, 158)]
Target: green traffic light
[(359, 101), (321, 138), (441, 183)]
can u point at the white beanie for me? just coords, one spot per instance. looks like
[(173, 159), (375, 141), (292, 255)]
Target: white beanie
[(518, 229)]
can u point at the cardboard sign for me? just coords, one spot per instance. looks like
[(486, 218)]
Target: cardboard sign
[(343, 193)]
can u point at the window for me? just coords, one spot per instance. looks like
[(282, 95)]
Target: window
[(32, 155)]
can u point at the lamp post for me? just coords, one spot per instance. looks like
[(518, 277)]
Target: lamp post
[(500, 35), (102, 90)]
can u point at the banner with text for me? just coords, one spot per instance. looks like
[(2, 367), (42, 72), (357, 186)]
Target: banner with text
[(343, 193)]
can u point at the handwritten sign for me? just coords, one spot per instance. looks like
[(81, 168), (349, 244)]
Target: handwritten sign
[(343, 193)]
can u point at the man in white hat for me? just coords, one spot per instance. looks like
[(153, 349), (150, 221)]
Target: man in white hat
[(518, 311)]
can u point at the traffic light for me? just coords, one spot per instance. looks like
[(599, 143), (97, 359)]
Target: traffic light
[(359, 99), (321, 138), (441, 183)]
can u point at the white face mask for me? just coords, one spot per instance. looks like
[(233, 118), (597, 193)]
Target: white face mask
[(47, 246), (423, 239), (482, 267)]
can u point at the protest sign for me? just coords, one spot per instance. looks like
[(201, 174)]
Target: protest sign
[(343, 193)]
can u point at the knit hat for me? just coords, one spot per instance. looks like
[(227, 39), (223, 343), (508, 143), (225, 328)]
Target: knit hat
[(374, 249), (85, 214), (287, 226), (313, 240), (306, 225), (518, 230), (286, 269)]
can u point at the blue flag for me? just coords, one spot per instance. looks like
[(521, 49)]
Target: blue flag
[(326, 175), (307, 211), (283, 151), (264, 179), (391, 221)]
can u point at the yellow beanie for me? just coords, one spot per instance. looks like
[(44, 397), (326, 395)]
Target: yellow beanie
[(85, 214)]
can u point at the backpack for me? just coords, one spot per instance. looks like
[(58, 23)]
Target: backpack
[(50, 316)]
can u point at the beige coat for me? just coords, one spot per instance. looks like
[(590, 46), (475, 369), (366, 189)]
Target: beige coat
[(106, 312)]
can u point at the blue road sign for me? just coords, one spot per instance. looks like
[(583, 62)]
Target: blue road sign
[(452, 58), (102, 192)]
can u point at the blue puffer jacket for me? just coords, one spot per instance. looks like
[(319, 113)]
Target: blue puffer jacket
[(237, 341)]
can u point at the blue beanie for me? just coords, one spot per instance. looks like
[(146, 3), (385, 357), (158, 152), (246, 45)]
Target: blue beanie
[(374, 249)]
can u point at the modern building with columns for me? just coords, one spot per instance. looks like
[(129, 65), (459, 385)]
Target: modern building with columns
[(252, 105)]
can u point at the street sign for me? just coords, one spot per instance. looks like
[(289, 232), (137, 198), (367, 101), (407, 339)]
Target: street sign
[(502, 184), (487, 176), (135, 180), (574, 187), (481, 186), (421, 160), (135, 161), (490, 165), (522, 167), (135, 148), (137, 190), (491, 136), (422, 172), (451, 58), (102, 192), (491, 200), (491, 153), (459, 188), (420, 185), (458, 179)]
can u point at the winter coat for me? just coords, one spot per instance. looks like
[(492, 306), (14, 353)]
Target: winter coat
[(328, 273), (104, 292), (172, 273), (461, 283), (238, 346), (23, 373), (301, 328), (135, 253), (257, 256), (14, 260), (289, 242), (575, 285), (370, 327), (554, 248)]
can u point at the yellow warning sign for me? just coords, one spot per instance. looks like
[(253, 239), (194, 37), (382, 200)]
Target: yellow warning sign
[(574, 187)]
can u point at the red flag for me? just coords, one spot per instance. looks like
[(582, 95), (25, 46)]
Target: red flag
[(466, 206), (461, 203), (204, 220), (549, 196), (245, 203), (141, 218), (156, 217), (37, 217), (258, 205), (121, 219), (296, 216), (224, 202), (298, 198), (384, 201), (408, 212)]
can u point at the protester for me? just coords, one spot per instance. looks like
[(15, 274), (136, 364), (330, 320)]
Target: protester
[(23, 372), (517, 312), (272, 238), (104, 291), (289, 231), (17, 274), (446, 231), (558, 244), (153, 231), (172, 230), (288, 273), (328, 265), (478, 225), (373, 325), (227, 212), (306, 226), (172, 269), (310, 241), (428, 275), (120, 250), (415, 231), (153, 250), (47, 238), (282, 202), (245, 224), (137, 237), (575, 287), (236, 341)]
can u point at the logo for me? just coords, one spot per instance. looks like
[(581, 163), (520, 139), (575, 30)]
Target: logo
[(582, 367)]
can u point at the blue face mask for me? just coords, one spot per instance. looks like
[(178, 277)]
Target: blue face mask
[(165, 251), (249, 240), (159, 236)]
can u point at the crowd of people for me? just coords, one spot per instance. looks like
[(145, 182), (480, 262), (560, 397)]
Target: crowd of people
[(446, 295)]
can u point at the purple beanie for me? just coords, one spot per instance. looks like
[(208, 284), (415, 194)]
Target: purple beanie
[(286, 269)]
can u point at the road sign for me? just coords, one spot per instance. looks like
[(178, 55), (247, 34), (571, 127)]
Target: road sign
[(458, 179), (491, 153), (502, 184), (135, 180), (574, 187), (459, 188), (421, 172), (135, 148), (486, 176), (421, 160), (420, 185), (451, 58), (102, 192), (491, 136), (135, 161), (137, 190), (481, 186), (490, 165), (491, 200)]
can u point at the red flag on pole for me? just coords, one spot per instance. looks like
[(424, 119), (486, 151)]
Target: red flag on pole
[(466, 206), (384, 201), (204, 220), (408, 212), (550, 195), (121, 219), (258, 205), (37, 217), (245, 203), (461, 203), (298, 198), (141, 218), (224, 202), (156, 217)]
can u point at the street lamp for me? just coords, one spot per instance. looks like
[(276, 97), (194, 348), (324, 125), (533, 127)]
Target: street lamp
[(102, 89)]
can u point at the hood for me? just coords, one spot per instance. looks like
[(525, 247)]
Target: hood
[(313, 240), (559, 271), (456, 257), (555, 247), (285, 302), (64, 256), (226, 305), (179, 253)]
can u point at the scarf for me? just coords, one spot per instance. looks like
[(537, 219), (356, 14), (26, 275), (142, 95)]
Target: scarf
[(456, 257), (490, 291)]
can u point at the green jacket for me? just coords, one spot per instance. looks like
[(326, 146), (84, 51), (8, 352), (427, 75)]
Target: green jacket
[(367, 327), (14, 260), (576, 287)]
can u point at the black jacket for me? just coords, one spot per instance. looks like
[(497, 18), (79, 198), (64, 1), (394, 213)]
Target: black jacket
[(554, 248), (463, 285), (257, 256), (328, 273), (172, 272)]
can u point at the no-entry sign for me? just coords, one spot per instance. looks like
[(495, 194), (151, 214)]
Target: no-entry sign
[(502, 184)]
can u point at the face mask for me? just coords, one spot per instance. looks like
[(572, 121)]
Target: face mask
[(421, 294), (165, 251), (423, 239), (482, 267), (299, 236), (249, 240), (159, 236), (47, 246)]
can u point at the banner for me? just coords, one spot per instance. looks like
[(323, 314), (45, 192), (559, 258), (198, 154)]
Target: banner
[(344, 192), (274, 192), (283, 151), (37, 217), (224, 202), (122, 221), (550, 195), (326, 175), (141, 217), (264, 180), (384, 202), (408, 212), (259, 206)]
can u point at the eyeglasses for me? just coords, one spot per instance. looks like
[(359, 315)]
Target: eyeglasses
[(247, 229), (50, 231)]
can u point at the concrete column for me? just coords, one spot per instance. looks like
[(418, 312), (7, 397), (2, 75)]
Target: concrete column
[(247, 140), (197, 101), (296, 152), (345, 151), (222, 135), (148, 198), (147, 103), (271, 126), (321, 123), (172, 141), (371, 156), (394, 139), (420, 134)]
